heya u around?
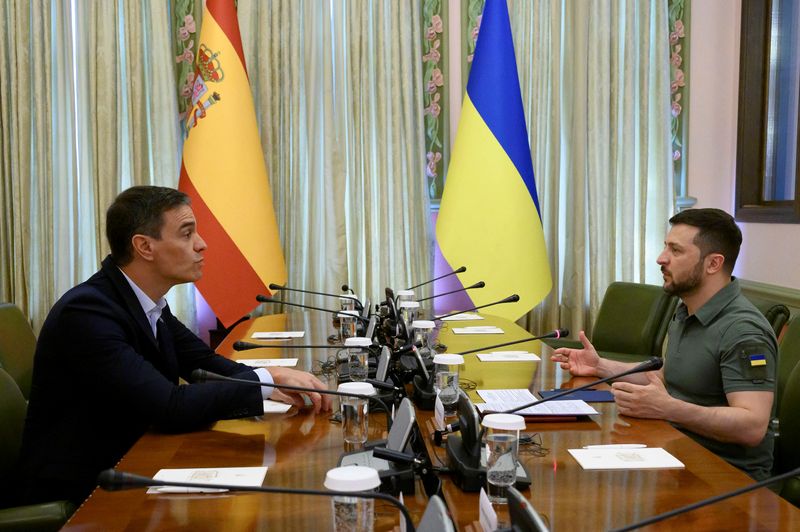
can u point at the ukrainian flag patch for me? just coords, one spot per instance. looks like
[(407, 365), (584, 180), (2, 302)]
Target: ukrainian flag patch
[(758, 360)]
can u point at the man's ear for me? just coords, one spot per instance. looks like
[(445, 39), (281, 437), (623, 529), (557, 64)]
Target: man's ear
[(714, 262), (142, 246)]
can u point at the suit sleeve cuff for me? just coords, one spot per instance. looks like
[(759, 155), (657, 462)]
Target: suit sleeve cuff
[(266, 378)]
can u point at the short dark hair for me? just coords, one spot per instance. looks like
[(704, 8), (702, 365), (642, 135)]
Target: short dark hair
[(718, 233), (138, 210)]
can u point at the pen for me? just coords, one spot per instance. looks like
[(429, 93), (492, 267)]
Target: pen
[(617, 446)]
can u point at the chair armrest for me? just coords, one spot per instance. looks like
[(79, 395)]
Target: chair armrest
[(36, 517)]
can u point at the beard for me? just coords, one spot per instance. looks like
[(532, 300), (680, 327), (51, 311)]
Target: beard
[(680, 287)]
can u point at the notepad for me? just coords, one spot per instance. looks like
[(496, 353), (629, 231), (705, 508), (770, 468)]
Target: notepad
[(277, 335), (610, 458), (267, 362), (246, 477)]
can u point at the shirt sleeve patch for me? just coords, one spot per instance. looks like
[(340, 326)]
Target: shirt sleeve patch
[(758, 360)]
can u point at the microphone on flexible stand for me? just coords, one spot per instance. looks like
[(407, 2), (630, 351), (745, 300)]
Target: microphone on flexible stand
[(479, 284), (112, 480), (558, 333), (201, 375), (651, 364), (275, 287), (510, 299), (346, 288), (264, 299), (711, 500), (460, 270)]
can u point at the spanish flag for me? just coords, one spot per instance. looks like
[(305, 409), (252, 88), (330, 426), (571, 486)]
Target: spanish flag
[(223, 172), (489, 215)]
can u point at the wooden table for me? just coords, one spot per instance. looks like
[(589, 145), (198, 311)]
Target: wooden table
[(300, 447)]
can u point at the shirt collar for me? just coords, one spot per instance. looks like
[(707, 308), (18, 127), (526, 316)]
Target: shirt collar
[(148, 305), (713, 306)]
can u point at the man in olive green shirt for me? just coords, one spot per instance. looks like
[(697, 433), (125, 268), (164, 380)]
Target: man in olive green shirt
[(718, 379)]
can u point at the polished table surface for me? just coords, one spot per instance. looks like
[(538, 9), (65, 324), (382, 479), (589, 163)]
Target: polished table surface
[(300, 447)]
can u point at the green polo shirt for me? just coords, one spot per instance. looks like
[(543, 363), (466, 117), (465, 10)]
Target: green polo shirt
[(726, 346)]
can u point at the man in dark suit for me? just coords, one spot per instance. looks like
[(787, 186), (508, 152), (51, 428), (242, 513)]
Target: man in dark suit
[(110, 354)]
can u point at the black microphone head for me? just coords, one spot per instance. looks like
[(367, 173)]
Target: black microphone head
[(479, 284), (561, 333), (511, 299), (651, 364), (263, 299), (111, 480), (240, 346), (460, 270), (273, 286)]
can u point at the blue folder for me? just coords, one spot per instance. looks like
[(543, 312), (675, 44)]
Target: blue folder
[(590, 396)]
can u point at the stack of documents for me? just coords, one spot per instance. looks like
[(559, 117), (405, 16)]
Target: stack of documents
[(502, 400), (267, 362)]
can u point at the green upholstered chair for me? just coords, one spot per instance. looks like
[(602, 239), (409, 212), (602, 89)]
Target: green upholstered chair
[(788, 357), (787, 444), (17, 345), (631, 324), (34, 517), (777, 314)]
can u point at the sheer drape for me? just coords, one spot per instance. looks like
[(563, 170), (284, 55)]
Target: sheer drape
[(595, 83), (88, 110), (338, 91)]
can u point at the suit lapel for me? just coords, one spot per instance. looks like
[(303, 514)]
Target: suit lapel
[(129, 299)]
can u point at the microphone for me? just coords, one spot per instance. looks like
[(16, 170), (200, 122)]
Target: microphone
[(396, 456), (558, 333), (651, 364), (244, 346), (275, 287), (346, 288), (201, 375), (710, 500), (460, 270), (112, 480), (510, 299), (479, 284), (264, 299), (448, 429)]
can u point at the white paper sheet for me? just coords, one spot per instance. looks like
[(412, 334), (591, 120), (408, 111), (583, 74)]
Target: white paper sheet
[(267, 362), (277, 335), (508, 356), (477, 330), (234, 476), (464, 316), (609, 458), (275, 407)]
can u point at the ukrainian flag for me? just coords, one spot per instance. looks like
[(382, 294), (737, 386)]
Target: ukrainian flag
[(489, 215)]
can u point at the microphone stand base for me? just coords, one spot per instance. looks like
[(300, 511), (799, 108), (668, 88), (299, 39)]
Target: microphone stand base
[(469, 473), (423, 398)]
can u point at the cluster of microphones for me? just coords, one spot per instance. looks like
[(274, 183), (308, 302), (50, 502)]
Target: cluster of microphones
[(401, 359)]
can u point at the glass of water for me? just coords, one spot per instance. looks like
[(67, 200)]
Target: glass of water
[(446, 369), (352, 514), (502, 441), (355, 411), (358, 357), (347, 324)]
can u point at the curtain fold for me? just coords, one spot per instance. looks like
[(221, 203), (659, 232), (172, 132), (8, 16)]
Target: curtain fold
[(595, 82)]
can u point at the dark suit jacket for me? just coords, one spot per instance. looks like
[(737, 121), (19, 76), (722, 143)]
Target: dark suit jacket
[(101, 378)]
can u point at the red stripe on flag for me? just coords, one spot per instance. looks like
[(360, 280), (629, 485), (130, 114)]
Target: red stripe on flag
[(229, 283), (224, 12)]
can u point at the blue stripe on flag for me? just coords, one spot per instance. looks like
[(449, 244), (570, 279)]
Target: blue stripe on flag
[(493, 87)]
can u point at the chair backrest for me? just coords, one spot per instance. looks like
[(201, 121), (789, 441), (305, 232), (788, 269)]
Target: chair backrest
[(788, 357), (12, 420), (777, 314), (17, 345), (633, 318), (788, 442)]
